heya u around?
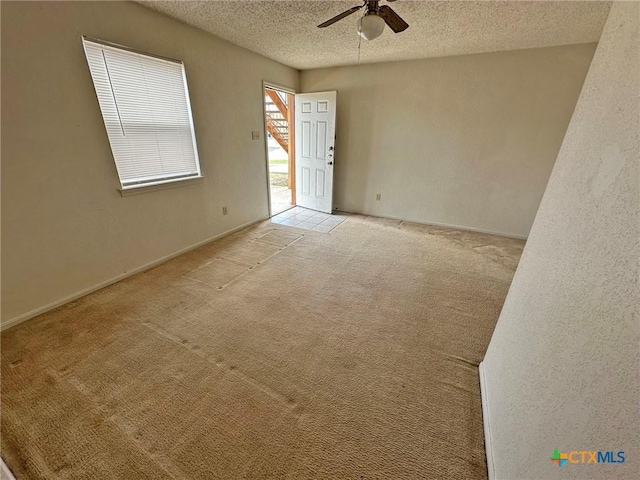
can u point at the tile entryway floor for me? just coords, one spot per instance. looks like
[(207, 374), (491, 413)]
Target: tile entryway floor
[(309, 219)]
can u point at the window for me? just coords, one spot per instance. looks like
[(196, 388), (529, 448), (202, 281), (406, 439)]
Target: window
[(145, 106)]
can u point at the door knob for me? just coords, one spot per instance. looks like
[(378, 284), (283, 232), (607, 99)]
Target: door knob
[(329, 163)]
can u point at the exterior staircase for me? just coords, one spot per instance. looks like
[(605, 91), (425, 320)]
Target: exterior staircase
[(277, 117)]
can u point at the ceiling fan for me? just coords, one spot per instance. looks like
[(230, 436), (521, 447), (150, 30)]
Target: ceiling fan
[(371, 24)]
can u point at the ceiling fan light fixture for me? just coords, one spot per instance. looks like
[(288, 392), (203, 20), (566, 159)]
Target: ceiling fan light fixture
[(370, 26)]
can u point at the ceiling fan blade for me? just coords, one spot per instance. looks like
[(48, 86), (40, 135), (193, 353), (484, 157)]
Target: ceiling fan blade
[(333, 20), (394, 21)]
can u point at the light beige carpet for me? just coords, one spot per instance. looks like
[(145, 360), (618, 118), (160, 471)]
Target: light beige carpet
[(272, 353)]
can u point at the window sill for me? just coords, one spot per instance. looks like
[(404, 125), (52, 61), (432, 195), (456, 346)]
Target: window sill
[(135, 190)]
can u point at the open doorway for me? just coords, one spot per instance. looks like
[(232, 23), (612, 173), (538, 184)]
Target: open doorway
[(279, 108)]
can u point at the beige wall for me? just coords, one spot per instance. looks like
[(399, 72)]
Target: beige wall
[(65, 227), (467, 140), (562, 367)]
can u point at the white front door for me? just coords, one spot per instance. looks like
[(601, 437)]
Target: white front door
[(315, 140)]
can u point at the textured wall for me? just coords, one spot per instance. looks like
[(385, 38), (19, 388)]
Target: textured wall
[(65, 226), (468, 140), (562, 367)]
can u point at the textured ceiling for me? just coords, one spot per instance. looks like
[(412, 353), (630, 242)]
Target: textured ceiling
[(286, 30)]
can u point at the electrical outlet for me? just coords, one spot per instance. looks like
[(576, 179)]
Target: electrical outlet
[(255, 135), (224, 210), (378, 196)]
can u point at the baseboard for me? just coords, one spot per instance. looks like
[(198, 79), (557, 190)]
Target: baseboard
[(5, 473), (70, 298), (438, 224), (485, 421)]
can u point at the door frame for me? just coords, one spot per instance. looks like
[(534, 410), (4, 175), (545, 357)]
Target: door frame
[(275, 86)]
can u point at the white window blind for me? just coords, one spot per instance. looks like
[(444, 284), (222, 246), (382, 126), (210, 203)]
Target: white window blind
[(145, 105)]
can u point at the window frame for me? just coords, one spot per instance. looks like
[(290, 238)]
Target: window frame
[(160, 183)]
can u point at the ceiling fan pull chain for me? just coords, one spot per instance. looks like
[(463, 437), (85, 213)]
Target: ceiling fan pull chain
[(359, 45)]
